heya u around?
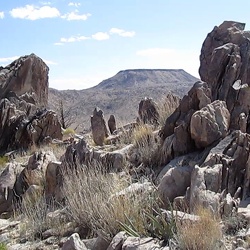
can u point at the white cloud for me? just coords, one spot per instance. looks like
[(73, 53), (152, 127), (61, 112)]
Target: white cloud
[(170, 59), (58, 44), (73, 39), (100, 36), (7, 60), (1, 15), (74, 4), (77, 82), (50, 62), (72, 16), (31, 12), (121, 32)]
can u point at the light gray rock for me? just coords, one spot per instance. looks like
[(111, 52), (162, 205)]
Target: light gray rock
[(136, 243), (210, 124), (74, 243), (117, 241)]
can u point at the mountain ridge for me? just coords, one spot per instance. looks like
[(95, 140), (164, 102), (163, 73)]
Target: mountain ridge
[(120, 94)]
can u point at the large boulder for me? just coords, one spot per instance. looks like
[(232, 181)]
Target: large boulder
[(148, 112), (24, 119), (7, 181), (210, 124), (27, 77), (224, 66), (98, 127)]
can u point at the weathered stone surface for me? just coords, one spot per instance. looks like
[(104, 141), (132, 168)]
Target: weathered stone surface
[(74, 243), (7, 181), (148, 111), (117, 241), (112, 124), (224, 66), (24, 119), (27, 77), (34, 172), (174, 183), (136, 243), (53, 178), (98, 127), (210, 124)]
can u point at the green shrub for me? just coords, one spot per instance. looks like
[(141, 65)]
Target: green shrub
[(3, 246), (69, 131)]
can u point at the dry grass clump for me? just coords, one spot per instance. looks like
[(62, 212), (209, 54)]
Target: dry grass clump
[(93, 202), (166, 107), (33, 210), (202, 234), (146, 143)]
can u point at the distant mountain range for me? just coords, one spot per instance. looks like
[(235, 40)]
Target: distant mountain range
[(120, 95)]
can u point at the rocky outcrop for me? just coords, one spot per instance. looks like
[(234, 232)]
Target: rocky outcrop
[(224, 66), (27, 77), (98, 127), (24, 120), (214, 117), (148, 111), (7, 181), (112, 124), (209, 124)]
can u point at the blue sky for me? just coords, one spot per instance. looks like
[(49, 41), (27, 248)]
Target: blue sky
[(85, 42)]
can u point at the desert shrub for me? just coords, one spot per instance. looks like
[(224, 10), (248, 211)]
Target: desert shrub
[(166, 107), (93, 202), (204, 233), (69, 131), (234, 223), (3, 161), (3, 246), (34, 210), (146, 143)]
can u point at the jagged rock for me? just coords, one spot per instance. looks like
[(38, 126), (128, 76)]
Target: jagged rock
[(98, 127), (34, 172), (112, 124), (27, 77), (80, 154), (176, 131), (74, 243), (148, 111), (53, 178), (24, 120), (210, 124), (117, 241), (224, 66), (101, 243), (174, 183), (7, 181)]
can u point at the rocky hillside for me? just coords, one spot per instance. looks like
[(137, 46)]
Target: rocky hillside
[(120, 94), (183, 185)]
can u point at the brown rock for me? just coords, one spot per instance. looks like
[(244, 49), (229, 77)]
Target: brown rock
[(98, 127), (210, 124), (112, 124), (7, 181), (148, 111), (224, 66)]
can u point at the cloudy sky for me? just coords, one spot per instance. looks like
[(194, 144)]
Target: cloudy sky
[(85, 42)]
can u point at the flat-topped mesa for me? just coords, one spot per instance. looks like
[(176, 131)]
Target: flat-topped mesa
[(225, 60), (27, 78)]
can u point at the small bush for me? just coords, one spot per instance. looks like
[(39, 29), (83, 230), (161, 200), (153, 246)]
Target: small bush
[(69, 131), (202, 234), (234, 224), (3, 246), (3, 161), (146, 144), (34, 210)]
